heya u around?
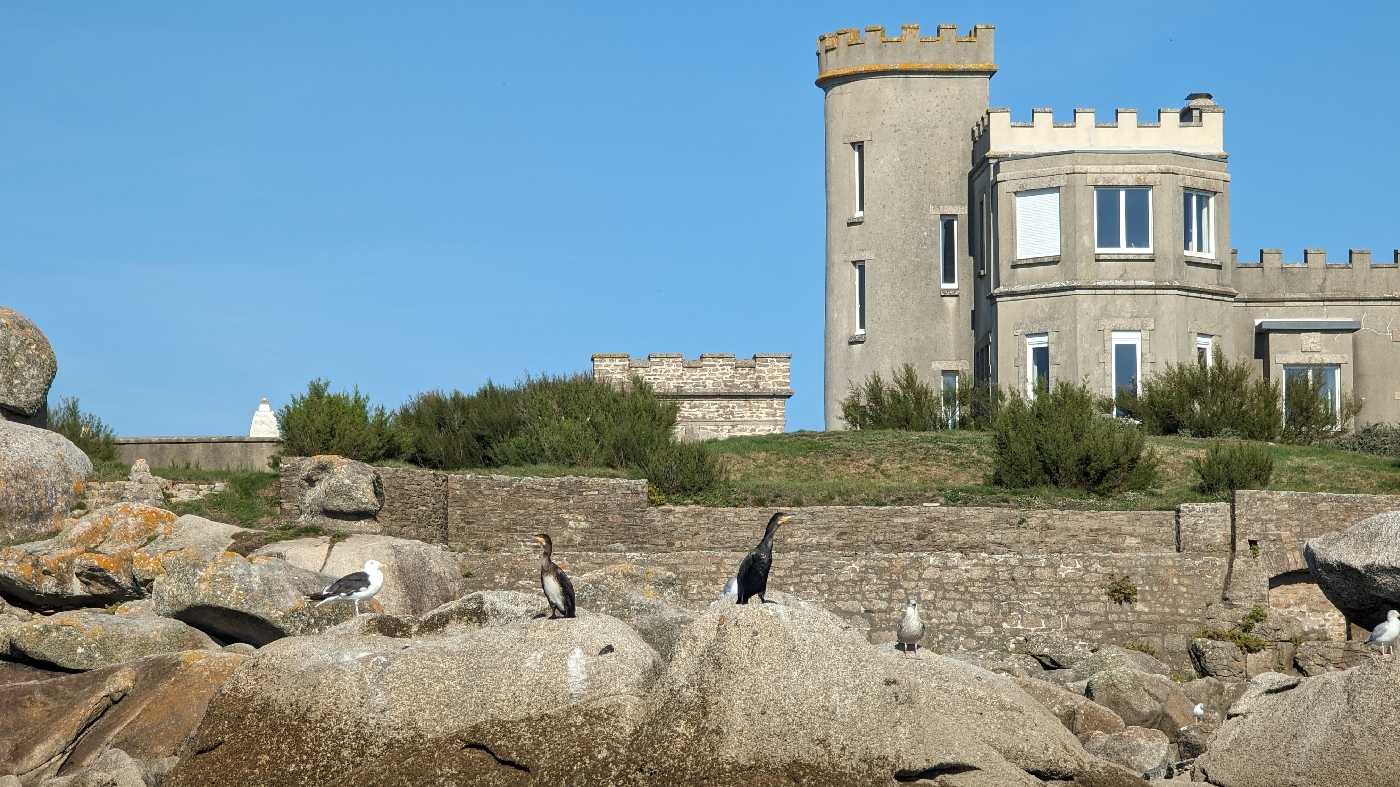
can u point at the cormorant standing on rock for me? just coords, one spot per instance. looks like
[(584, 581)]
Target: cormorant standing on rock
[(356, 587), (911, 630), (557, 587), (753, 572)]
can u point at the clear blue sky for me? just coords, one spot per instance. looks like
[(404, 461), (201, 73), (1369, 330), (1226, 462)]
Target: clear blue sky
[(203, 206)]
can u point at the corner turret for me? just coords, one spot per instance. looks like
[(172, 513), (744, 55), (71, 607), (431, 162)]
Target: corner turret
[(846, 53)]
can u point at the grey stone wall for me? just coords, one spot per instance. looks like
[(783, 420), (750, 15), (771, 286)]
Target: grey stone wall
[(209, 453), (415, 504), (502, 512), (717, 394)]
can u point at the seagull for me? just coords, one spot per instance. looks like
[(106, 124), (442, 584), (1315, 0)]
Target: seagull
[(753, 572), (731, 588), (1386, 634), (911, 630), (356, 587), (557, 587), (1199, 711)]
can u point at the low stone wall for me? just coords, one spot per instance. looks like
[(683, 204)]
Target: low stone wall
[(99, 494), (1275, 525), (208, 453), (496, 511)]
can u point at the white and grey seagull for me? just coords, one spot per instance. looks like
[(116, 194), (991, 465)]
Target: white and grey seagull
[(1386, 633), (356, 587), (911, 630), (1199, 711)]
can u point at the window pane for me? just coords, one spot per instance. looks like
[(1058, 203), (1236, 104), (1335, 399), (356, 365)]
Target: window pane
[(1329, 386), (1037, 223), (860, 297), (1125, 368), (1203, 230), (1138, 216), (1040, 362), (1106, 216), (1188, 215), (950, 244), (860, 177)]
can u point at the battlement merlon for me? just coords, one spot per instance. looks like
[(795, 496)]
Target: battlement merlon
[(1198, 129), (846, 53), (711, 375)]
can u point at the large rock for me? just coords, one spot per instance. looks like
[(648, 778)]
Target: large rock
[(1079, 714), (418, 577), (1054, 649), (115, 768), (660, 624), (1315, 658), (785, 693), (1138, 749), (1216, 659), (339, 489), (1358, 569), (147, 708), (1259, 689), (236, 599), (143, 487), (27, 366), (82, 640), (111, 554), (1142, 700), (1016, 665), (1337, 729), (1215, 694), (529, 701), (1111, 657), (41, 476), (473, 611)]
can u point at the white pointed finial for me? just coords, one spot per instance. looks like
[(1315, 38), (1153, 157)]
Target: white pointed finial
[(264, 422)]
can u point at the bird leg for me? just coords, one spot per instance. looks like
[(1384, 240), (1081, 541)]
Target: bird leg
[(916, 655), (357, 608)]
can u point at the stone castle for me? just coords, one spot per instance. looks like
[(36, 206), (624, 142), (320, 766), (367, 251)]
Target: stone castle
[(970, 245), (718, 395)]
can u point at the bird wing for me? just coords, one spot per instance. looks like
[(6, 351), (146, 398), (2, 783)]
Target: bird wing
[(568, 588), (344, 586), (1379, 631), (559, 590), (753, 575)]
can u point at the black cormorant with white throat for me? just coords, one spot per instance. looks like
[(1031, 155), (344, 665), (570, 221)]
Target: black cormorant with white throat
[(557, 587), (753, 572)]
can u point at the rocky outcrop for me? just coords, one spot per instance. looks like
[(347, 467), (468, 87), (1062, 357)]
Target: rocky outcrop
[(1215, 694), (27, 368), (1110, 657), (142, 487), (1138, 749), (1216, 659), (1358, 569), (418, 577), (1079, 714), (111, 554), (147, 708), (235, 599), (339, 490), (1142, 700), (41, 476), (660, 624), (1315, 658), (527, 701), (1016, 665), (115, 768), (1054, 649), (1336, 729), (84, 640)]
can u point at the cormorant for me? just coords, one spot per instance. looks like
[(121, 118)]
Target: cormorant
[(753, 572), (356, 587), (911, 629), (1386, 633), (557, 588)]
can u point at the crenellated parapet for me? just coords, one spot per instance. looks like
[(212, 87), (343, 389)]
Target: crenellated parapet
[(847, 53), (1198, 128), (718, 394)]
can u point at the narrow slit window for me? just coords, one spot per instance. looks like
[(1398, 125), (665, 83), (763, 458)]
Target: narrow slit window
[(950, 398), (1203, 349), (1197, 222), (948, 251), (860, 297), (1123, 219), (1127, 365), (859, 150), (1037, 363)]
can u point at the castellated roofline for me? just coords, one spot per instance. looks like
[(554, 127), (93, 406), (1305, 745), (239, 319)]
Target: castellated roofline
[(1198, 128), (846, 53)]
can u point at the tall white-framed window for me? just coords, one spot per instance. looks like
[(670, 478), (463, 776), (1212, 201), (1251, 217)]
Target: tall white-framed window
[(948, 251), (1328, 376), (860, 296), (1037, 223), (1127, 364), (1203, 349), (1037, 363), (1123, 219), (1198, 222), (950, 398), (858, 160)]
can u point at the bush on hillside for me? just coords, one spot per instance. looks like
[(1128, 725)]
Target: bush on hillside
[(1309, 415), (84, 430), (911, 404), (321, 422), (1058, 440), (1375, 439), (1227, 467), (1203, 400), (684, 469)]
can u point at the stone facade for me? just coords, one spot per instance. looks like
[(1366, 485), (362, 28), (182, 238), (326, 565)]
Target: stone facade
[(718, 395), (989, 248)]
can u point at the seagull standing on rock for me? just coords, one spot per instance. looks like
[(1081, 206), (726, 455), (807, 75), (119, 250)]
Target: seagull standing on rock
[(1199, 711), (356, 587), (911, 630), (1386, 634)]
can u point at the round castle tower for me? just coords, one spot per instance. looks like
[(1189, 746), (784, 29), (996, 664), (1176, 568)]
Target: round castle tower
[(899, 119)]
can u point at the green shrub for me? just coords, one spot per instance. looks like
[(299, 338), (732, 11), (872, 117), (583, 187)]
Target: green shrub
[(1204, 400), (447, 431), (1249, 643), (1122, 590), (1058, 440), (684, 469), (1227, 467), (1141, 646), (1377, 439), (906, 403), (342, 423), (1309, 416), (84, 430)]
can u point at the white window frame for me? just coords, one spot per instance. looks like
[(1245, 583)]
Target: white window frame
[(1034, 341), (858, 174), (947, 245), (1334, 369), (862, 295), (1027, 254), (1125, 338), (1122, 247), (1209, 233), (1205, 341)]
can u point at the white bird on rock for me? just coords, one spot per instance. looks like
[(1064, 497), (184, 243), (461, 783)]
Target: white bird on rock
[(731, 588), (1386, 633), (1199, 711), (356, 587), (911, 630)]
